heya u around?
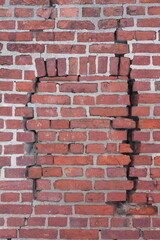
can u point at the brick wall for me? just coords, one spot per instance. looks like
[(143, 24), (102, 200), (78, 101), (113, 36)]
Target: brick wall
[(80, 125)]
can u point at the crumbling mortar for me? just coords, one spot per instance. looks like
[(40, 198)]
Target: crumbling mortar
[(133, 145)]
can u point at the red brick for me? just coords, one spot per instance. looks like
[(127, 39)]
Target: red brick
[(121, 234), (76, 25), (50, 99), (52, 172), (114, 62), (95, 197), (150, 234), (35, 25), (126, 22), (37, 233), (36, 221), (83, 185), (40, 67), (116, 172), (73, 66), (52, 148), (102, 64), (94, 210), (135, 10), (59, 124), (91, 12), (8, 233), (140, 111), (70, 49), (118, 135), (51, 66), (113, 99), (148, 22), (57, 221), (69, 12), (23, 12), (73, 172), (95, 37), (15, 222), (78, 222), (7, 25), (15, 209), (6, 60), (5, 12), (149, 124), (141, 136), (113, 11), (23, 60), (15, 173), (29, 2), (78, 87), (10, 197), (141, 60), (47, 13), (114, 1), (90, 123), (73, 160), (83, 100), (120, 222), (68, 2), (46, 136), (25, 87), (49, 112), (25, 48), (76, 148), (78, 233), (138, 198), (24, 112), (60, 79), (72, 136), (141, 222), (106, 112), (38, 124), (34, 172), (42, 184), (153, 10), (107, 23), (143, 210), (124, 66), (14, 149), (73, 197), (94, 172), (61, 66), (98, 222), (54, 36), (123, 123), (145, 73), (137, 35), (97, 136), (47, 87), (114, 185), (113, 160), (149, 1), (116, 196), (6, 136), (50, 209), (109, 48), (10, 74), (18, 36)]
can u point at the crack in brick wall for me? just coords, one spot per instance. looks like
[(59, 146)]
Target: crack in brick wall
[(80, 89)]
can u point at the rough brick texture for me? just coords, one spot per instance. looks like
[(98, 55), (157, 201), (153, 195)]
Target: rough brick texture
[(80, 119)]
